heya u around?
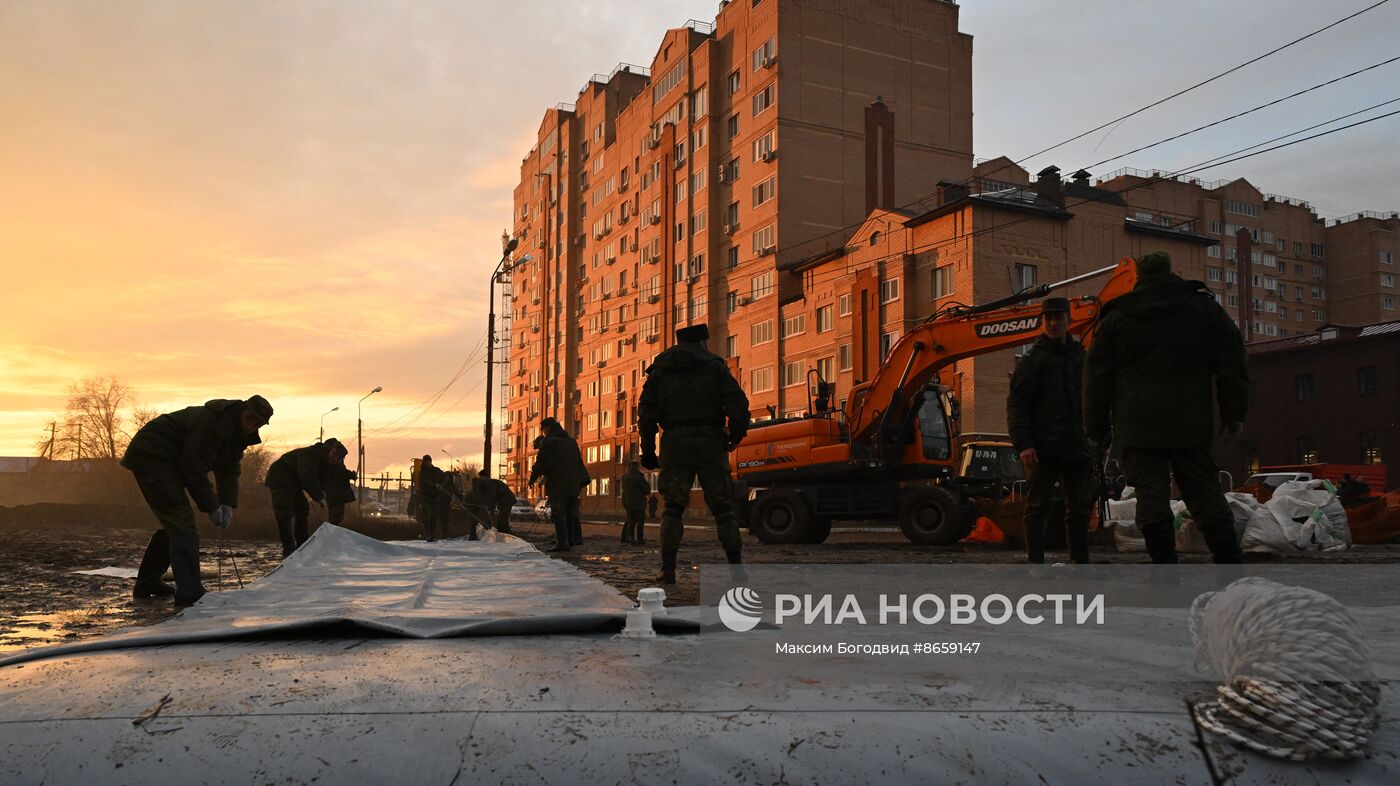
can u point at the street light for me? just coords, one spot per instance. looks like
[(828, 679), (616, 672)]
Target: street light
[(360, 441), (322, 438), (506, 250), (450, 456)]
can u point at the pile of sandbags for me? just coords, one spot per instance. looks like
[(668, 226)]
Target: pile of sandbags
[(1301, 516)]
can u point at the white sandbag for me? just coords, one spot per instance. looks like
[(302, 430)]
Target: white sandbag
[(1122, 516), (1310, 515), (1259, 530)]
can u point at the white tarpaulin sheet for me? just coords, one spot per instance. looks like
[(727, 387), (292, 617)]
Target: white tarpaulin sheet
[(419, 590)]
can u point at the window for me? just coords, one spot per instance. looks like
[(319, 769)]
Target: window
[(760, 333), (1304, 385), (1367, 380), (731, 346), (761, 380), (1242, 208), (762, 285), (1316, 250), (943, 281), (1307, 450), (795, 326), (732, 254), (843, 305), (763, 99), (1387, 258), (793, 374), (698, 221), (697, 182), (1387, 302), (1025, 277), (731, 302), (733, 83), (1215, 227), (763, 55), (889, 290), (1370, 447), (699, 107), (1214, 273), (763, 146), (763, 240), (1387, 280), (764, 191), (826, 369), (731, 174), (887, 342), (1213, 252), (824, 319), (732, 126), (1249, 451), (843, 357), (697, 265)]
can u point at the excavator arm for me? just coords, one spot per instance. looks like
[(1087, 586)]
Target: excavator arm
[(877, 409)]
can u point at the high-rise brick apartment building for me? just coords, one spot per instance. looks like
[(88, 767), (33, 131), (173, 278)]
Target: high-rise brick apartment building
[(1364, 250), (1282, 287), (674, 193)]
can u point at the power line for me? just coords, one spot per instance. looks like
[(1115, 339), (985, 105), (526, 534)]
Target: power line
[(431, 400), (1205, 82), (1242, 114)]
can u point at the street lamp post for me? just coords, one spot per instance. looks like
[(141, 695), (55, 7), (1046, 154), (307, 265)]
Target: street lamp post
[(451, 457), (360, 441), (491, 346), (322, 438)]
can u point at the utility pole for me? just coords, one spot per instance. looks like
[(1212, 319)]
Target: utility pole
[(360, 441), (53, 436), (508, 247), (79, 444)]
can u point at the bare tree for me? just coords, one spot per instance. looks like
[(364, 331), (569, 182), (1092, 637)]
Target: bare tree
[(93, 423)]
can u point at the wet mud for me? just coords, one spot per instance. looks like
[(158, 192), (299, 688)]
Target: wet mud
[(43, 602)]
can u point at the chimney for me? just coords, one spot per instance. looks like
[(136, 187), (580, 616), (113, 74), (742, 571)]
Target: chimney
[(879, 156), (1049, 187), (1081, 177), (948, 191)]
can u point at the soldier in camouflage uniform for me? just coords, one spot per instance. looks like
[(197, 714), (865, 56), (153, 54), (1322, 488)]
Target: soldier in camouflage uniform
[(1157, 354), (703, 414), (172, 457)]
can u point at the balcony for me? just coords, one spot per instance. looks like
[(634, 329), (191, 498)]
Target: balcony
[(1160, 222)]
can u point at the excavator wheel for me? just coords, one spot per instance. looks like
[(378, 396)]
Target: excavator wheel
[(780, 516), (930, 516), (821, 528)]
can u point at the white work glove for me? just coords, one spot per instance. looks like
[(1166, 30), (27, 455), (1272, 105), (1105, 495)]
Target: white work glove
[(222, 516)]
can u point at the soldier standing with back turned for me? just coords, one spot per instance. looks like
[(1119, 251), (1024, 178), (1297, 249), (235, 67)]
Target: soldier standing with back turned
[(1148, 378), (703, 414)]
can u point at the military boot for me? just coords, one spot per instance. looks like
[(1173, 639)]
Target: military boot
[(153, 565), (737, 574), (184, 561), (668, 568)]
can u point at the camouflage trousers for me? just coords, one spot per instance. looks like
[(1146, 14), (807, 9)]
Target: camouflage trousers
[(1151, 470), (688, 455)]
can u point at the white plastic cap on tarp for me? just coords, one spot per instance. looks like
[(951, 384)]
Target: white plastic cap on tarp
[(638, 625), (650, 600)]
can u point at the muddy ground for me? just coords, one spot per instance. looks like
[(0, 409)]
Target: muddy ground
[(42, 602)]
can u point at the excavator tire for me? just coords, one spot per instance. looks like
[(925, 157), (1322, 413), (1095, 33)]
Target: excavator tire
[(780, 517), (820, 529), (930, 516)]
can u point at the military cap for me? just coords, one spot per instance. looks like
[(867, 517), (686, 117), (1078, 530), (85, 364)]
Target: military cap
[(1154, 264), (1055, 304), (700, 332), (260, 409)]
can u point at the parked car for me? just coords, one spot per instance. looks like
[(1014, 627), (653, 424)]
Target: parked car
[(542, 510), (522, 510), (374, 510)]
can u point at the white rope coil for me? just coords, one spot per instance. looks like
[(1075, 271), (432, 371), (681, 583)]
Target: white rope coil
[(1298, 678)]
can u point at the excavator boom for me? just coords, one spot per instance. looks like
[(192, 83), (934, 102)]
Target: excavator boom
[(945, 338)]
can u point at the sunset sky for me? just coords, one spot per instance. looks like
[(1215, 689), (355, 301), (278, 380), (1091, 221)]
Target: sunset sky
[(305, 199)]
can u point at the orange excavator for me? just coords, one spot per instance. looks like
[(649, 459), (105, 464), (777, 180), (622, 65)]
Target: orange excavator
[(893, 451)]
